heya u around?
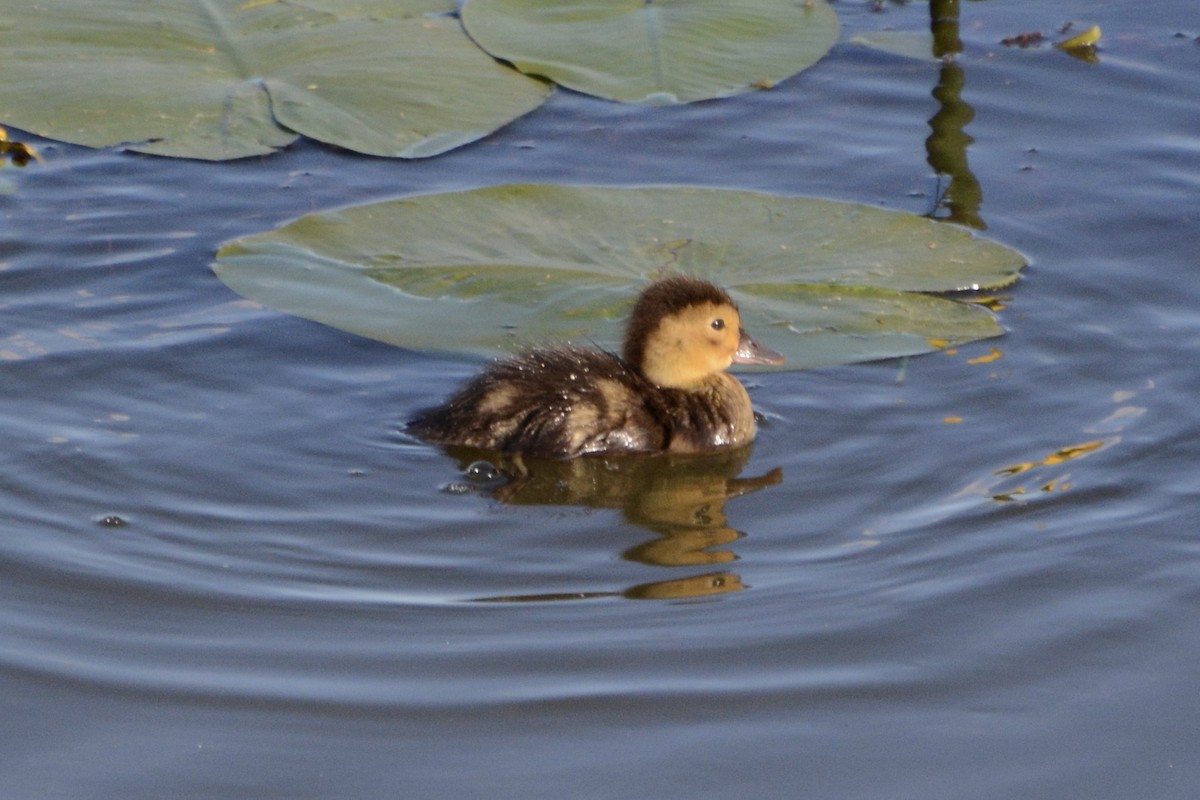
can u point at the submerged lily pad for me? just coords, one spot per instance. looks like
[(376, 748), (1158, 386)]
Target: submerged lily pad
[(915, 44), (656, 51), (226, 79), (512, 266)]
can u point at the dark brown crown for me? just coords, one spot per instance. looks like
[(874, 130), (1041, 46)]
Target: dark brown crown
[(662, 299)]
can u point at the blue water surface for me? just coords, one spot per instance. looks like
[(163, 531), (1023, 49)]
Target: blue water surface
[(226, 573)]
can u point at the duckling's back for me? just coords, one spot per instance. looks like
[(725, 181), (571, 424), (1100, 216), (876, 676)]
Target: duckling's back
[(561, 402)]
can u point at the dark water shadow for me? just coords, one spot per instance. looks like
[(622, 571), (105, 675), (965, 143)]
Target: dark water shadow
[(946, 147)]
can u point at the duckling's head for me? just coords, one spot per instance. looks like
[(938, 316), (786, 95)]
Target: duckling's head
[(684, 330)]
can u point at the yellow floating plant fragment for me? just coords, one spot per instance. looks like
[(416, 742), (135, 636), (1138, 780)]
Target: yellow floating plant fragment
[(1058, 457), (995, 355), (1088, 38), (992, 302)]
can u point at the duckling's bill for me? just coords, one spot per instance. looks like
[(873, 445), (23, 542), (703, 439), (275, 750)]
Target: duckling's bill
[(752, 352)]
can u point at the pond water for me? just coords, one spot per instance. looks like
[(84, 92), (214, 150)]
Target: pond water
[(227, 574)]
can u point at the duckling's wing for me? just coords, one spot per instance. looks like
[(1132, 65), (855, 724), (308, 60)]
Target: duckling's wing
[(561, 402), (584, 402)]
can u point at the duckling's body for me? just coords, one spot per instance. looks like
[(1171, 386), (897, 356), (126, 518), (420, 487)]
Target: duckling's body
[(668, 393), (569, 401)]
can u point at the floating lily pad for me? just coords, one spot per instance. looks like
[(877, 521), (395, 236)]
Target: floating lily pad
[(656, 51), (231, 78), (512, 266)]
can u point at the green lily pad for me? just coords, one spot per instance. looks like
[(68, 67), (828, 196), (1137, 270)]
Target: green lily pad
[(226, 79), (656, 51), (508, 267)]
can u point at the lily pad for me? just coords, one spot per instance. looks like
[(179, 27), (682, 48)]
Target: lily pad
[(508, 267), (656, 51), (226, 79)]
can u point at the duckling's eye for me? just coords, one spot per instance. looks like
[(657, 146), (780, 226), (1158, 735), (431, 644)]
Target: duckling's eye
[(718, 324)]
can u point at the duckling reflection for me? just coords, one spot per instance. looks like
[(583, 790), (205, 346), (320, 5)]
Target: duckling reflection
[(692, 588), (681, 499)]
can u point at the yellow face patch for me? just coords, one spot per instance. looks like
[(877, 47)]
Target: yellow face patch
[(689, 346)]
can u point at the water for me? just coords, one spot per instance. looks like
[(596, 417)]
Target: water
[(225, 573)]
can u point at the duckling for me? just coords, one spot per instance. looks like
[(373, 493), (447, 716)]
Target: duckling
[(667, 392)]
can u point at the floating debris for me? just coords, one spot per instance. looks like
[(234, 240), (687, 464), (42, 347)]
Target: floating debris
[(18, 152), (1023, 39), (1083, 41)]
